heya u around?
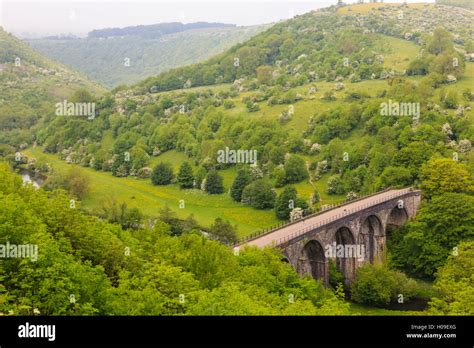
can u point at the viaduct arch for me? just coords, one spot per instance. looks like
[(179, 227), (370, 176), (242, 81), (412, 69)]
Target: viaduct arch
[(349, 234)]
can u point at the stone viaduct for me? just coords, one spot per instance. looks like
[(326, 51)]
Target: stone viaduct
[(350, 234)]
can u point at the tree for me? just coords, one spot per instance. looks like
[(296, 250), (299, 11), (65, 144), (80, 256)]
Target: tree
[(119, 213), (280, 176), (440, 42), (394, 176), (277, 155), (295, 169), (377, 285), (251, 106), (81, 95), (413, 156), (75, 181), (286, 202), (336, 277), (440, 175), (78, 183), (264, 74), (454, 283), (223, 232), (423, 244), (214, 183), (419, 66), (242, 179), (448, 63), (335, 185), (185, 175), (259, 195), (139, 158), (200, 176), (449, 99), (162, 174)]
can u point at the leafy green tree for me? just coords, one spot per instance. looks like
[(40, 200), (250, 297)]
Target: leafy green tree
[(230, 299), (419, 66), (75, 181), (156, 288), (81, 95), (413, 156), (277, 155), (449, 99), (214, 183), (138, 157), (375, 284), (223, 232), (242, 179), (335, 185), (454, 283), (78, 183), (259, 194), (394, 177), (252, 107), (295, 169), (286, 202), (162, 174), (264, 74), (440, 42), (200, 175), (185, 175), (448, 63), (280, 176), (335, 276), (424, 243), (441, 175), (119, 213)]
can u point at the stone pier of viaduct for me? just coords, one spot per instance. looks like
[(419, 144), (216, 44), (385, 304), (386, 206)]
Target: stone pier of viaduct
[(360, 225)]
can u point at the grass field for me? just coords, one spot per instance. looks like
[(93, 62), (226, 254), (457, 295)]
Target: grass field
[(140, 193), (150, 199)]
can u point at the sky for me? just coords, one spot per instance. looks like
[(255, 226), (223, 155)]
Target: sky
[(31, 18)]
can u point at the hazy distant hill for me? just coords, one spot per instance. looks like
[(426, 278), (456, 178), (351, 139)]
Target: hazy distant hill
[(155, 30), (469, 4), (30, 85), (125, 56)]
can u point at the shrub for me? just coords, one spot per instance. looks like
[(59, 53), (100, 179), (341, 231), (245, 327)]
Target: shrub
[(185, 176), (214, 183), (335, 186), (378, 285), (243, 179), (229, 104), (162, 174), (295, 169), (335, 276), (259, 195)]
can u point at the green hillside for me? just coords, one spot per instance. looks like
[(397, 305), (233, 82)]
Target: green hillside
[(322, 133), (30, 85)]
